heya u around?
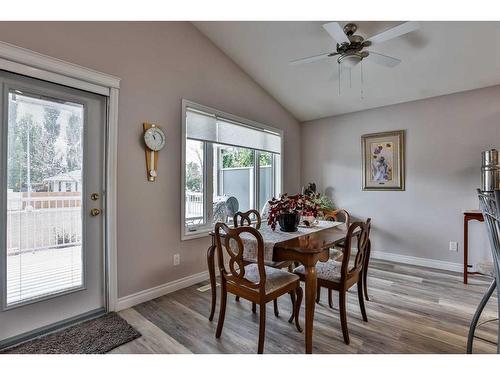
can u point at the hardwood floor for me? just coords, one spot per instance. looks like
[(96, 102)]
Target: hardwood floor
[(411, 310)]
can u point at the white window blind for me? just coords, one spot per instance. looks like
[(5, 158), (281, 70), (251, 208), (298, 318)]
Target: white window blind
[(206, 127)]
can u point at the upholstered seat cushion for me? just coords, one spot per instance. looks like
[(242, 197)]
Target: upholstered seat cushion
[(329, 270), (336, 254), (275, 278)]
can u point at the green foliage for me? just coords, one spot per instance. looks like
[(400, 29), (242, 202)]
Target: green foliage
[(74, 140), (45, 160), (13, 171), (194, 177), (53, 163), (18, 153), (243, 157), (236, 158), (52, 127), (265, 159), (324, 202)]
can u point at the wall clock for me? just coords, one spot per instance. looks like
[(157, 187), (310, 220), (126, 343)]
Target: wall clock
[(154, 138)]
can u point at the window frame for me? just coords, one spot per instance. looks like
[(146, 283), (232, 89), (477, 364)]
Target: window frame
[(202, 231)]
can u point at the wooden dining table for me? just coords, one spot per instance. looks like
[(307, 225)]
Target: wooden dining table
[(306, 249)]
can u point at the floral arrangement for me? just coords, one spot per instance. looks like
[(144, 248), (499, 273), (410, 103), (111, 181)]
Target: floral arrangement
[(323, 201), (300, 204)]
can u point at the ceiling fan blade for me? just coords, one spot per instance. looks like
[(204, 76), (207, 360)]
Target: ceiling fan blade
[(336, 32), (306, 60), (404, 28), (384, 60)]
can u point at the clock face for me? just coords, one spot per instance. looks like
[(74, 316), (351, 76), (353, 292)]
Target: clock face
[(154, 139)]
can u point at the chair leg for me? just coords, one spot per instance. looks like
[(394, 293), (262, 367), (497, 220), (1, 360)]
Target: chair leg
[(362, 300), (254, 307), (364, 272), (222, 309), (498, 311), (364, 276), (330, 298), (343, 315), (292, 297), (297, 308), (213, 282), (477, 315), (262, 327), (318, 293), (237, 298), (276, 311)]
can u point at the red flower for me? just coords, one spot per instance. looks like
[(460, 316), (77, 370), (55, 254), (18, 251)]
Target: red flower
[(303, 204)]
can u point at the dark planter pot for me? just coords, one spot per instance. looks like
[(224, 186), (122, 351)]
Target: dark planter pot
[(289, 222)]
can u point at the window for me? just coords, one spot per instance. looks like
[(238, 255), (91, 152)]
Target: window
[(229, 163)]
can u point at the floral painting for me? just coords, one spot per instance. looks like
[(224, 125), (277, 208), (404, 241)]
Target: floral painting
[(382, 161), (383, 167)]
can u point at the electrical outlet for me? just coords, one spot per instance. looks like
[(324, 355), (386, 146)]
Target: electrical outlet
[(177, 259), (453, 246)]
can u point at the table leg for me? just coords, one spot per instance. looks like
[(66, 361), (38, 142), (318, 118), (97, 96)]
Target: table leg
[(311, 283), (211, 272), (466, 249)]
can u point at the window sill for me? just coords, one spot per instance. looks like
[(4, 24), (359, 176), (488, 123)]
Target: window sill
[(202, 232)]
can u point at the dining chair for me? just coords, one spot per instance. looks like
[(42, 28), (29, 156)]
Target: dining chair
[(490, 207), (249, 218), (341, 276), (255, 282), (253, 218), (336, 252)]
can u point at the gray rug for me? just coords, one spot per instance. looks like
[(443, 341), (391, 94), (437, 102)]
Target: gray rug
[(95, 336)]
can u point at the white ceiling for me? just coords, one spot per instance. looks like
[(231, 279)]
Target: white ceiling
[(439, 58)]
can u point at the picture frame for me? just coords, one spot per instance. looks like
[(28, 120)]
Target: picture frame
[(383, 156)]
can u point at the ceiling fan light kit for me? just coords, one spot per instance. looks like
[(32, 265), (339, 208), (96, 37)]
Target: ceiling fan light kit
[(350, 46), (351, 59)]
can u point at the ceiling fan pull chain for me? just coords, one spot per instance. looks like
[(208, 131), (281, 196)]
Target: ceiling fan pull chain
[(362, 79), (340, 73)]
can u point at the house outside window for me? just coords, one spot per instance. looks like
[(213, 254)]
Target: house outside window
[(229, 164)]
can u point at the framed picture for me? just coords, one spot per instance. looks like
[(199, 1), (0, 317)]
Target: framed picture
[(383, 160)]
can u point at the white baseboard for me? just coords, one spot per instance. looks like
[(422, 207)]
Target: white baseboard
[(160, 290), (416, 261)]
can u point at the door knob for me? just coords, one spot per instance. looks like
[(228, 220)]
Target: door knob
[(95, 212)]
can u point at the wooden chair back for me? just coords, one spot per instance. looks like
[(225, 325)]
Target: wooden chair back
[(245, 218), (361, 240), (339, 215), (230, 245)]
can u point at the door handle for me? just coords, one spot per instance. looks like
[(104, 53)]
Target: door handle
[(95, 212)]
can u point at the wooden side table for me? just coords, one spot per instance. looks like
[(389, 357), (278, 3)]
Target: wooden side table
[(468, 216)]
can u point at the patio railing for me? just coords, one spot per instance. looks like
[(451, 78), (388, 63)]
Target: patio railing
[(42, 222), (194, 204)]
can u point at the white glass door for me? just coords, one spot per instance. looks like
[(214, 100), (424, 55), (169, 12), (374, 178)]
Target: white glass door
[(52, 257)]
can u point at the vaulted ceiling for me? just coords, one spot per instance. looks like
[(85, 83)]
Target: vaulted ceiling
[(440, 58)]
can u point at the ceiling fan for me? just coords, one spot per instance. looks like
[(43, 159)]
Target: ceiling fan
[(351, 47)]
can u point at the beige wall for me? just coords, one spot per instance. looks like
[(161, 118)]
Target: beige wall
[(444, 140), (159, 63)]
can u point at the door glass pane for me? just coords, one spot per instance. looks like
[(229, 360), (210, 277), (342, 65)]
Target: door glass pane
[(236, 171), (44, 198), (194, 202), (265, 178)]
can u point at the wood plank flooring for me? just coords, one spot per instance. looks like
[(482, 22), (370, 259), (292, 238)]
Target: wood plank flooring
[(411, 310)]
